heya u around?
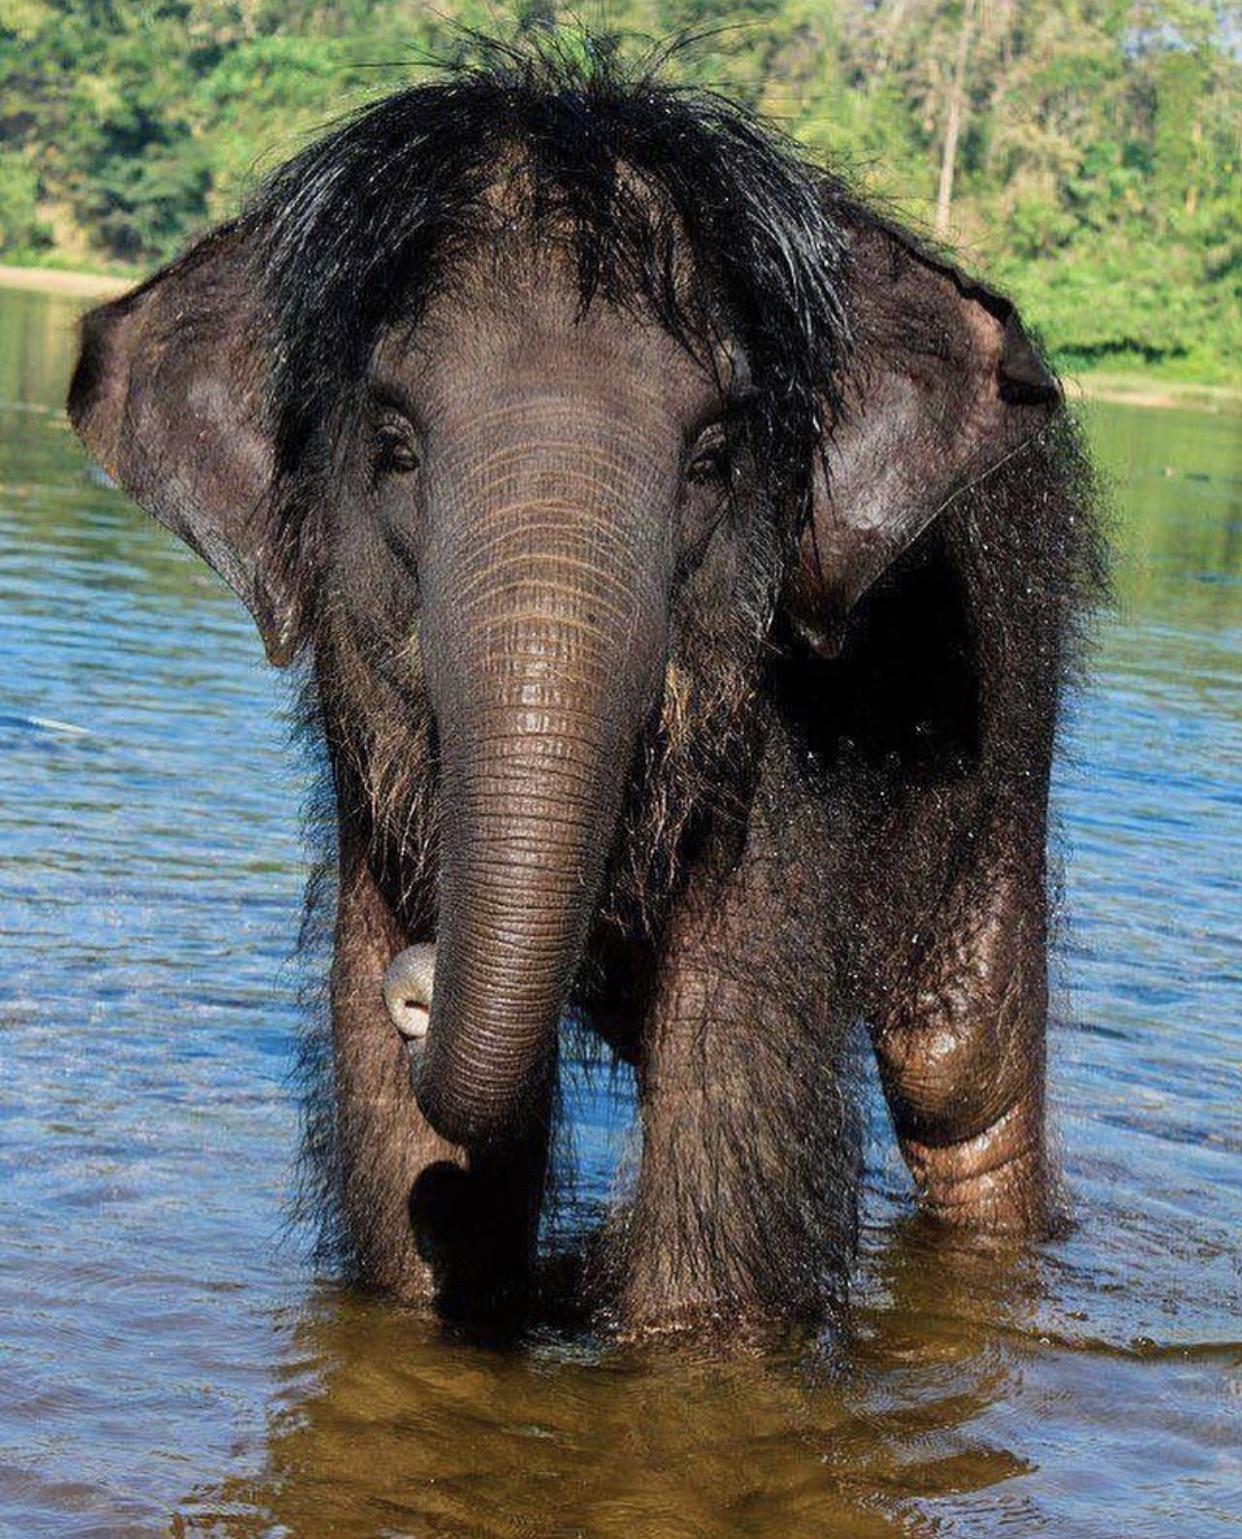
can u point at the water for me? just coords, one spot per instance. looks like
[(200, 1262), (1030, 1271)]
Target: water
[(170, 1363)]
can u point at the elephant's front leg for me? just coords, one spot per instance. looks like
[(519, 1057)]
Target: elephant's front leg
[(426, 1220), (745, 1207), (961, 1049)]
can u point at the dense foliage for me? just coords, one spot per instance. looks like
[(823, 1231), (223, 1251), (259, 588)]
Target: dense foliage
[(1086, 152)]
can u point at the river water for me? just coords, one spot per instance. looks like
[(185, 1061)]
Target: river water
[(170, 1362)]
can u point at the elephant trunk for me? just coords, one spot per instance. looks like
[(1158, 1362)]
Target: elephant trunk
[(543, 637)]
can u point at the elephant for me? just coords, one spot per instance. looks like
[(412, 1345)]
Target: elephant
[(684, 564)]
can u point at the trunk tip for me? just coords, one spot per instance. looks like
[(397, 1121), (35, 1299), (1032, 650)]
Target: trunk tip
[(483, 1116)]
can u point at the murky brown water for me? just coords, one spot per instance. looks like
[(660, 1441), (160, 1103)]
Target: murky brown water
[(168, 1361)]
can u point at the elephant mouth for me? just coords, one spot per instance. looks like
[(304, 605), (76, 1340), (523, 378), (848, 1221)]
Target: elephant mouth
[(407, 987)]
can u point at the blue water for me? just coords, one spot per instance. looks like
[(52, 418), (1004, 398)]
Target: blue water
[(169, 1361)]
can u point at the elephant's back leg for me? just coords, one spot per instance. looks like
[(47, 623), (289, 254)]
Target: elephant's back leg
[(958, 1019)]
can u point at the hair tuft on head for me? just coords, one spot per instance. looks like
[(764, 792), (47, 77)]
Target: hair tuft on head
[(670, 198)]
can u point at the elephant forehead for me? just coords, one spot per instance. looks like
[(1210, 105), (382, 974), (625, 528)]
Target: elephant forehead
[(553, 445), (519, 340)]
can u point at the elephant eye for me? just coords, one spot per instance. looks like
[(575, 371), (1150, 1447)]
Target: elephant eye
[(711, 461), (395, 451)]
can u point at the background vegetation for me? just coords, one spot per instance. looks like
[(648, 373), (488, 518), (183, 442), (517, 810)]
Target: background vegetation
[(1085, 152)]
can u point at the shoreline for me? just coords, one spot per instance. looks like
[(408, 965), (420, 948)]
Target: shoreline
[(56, 280), (1104, 388), (1107, 389)]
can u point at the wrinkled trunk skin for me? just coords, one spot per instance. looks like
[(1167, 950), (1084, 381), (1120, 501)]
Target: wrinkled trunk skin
[(543, 633)]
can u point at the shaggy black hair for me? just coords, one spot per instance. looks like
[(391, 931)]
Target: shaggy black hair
[(676, 201)]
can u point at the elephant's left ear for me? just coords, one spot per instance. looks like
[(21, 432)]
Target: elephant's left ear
[(169, 397), (945, 386)]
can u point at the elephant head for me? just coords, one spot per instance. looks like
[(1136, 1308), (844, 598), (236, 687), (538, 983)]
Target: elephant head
[(527, 408)]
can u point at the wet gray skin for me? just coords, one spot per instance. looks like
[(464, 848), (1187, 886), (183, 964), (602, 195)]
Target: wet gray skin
[(407, 991)]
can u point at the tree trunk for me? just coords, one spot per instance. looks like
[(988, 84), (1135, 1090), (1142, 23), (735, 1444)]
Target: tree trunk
[(954, 116)]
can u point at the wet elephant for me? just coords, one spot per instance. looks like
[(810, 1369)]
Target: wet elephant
[(684, 564)]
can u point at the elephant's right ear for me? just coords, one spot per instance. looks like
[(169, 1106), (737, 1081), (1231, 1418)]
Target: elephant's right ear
[(169, 396)]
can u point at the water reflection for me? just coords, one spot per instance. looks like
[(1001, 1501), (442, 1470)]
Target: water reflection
[(162, 1351), (385, 1426)]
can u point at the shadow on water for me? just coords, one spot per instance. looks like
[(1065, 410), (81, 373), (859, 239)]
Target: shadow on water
[(384, 1426), (164, 1357)]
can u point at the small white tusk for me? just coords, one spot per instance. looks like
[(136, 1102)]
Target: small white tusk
[(407, 990)]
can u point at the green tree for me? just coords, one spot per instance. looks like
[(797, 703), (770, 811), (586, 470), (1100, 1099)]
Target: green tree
[(1087, 151)]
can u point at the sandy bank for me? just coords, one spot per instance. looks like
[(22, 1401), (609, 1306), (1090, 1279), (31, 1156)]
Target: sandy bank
[(51, 280), (1166, 395)]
